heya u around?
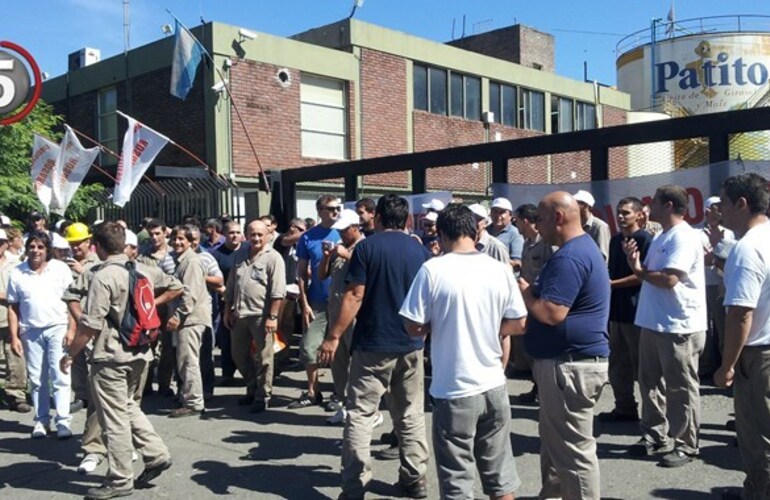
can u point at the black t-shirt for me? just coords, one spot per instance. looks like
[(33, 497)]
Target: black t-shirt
[(386, 264), (623, 301), (228, 258)]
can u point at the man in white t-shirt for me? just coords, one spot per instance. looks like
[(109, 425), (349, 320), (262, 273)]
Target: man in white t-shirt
[(746, 358), (672, 315), (468, 302)]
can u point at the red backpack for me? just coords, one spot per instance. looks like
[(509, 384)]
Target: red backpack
[(140, 325)]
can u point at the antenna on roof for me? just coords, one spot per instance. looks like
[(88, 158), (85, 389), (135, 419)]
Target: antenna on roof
[(126, 25), (356, 4)]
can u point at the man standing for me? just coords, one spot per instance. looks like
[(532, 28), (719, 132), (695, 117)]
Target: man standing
[(384, 356), (116, 372), (314, 293), (746, 358), (595, 227), (15, 369), (214, 237), (365, 209), (467, 302), (567, 337), (255, 292), (672, 315), (188, 322), (624, 334), (503, 229)]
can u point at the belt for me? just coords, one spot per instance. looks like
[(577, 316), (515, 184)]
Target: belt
[(583, 358)]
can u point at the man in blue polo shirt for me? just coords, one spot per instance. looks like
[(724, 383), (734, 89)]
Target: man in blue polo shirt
[(567, 337)]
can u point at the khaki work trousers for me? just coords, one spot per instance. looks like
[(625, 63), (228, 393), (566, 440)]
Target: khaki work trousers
[(668, 381), (188, 353), (257, 368), (79, 370), (752, 420), (568, 393), (624, 365), (122, 420), (15, 373), (372, 374)]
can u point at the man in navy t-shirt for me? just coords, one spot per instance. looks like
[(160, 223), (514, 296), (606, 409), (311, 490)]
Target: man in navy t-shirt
[(385, 358), (567, 336)]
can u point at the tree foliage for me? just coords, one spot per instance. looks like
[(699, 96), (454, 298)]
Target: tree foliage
[(17, 196)]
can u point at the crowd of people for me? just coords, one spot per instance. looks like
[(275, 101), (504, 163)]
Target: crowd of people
[(98, 317)]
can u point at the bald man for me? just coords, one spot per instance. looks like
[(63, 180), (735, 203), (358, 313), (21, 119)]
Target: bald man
[(567, 338)]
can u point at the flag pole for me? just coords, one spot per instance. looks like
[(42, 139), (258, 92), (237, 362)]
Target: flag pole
[(230, 96), (154, 184)]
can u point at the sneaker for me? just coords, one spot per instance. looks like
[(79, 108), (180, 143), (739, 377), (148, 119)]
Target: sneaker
[(77, 405), (390, 453), (104, 492), (418, 489), (89, 463), (644, 448), (63, 431), (334, 404), (20, 407), (151, 473), (304, 401), (616, 416), (39, 432), (676, 458), (378, 420), (185, 412), (338, 418)]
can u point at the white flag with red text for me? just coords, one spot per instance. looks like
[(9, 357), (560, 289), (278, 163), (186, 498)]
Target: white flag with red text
[(43, 170), (73, 164), (141, 145)]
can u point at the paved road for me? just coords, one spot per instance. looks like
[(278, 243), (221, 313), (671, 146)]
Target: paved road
[(294, 454)]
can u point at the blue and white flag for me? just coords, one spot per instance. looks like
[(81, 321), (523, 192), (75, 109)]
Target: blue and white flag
[(187, 56)]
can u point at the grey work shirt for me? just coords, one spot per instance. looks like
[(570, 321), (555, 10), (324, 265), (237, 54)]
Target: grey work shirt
[(493, 247), (600, 232), (161, 258), (194, 307), (89, 262), (106, 304), (254, 282), (5, 275), (533, 258), (338, 270)]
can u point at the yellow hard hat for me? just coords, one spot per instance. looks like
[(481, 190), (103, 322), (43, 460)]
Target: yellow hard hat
[(76, 232)]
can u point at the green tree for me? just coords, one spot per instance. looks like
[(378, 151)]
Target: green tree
[(17, 197)]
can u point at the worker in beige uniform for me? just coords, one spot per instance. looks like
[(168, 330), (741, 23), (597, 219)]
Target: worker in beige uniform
[(116, 372), (253, 298), (78, 237), (15, 387), (167, 288), (189, 320)]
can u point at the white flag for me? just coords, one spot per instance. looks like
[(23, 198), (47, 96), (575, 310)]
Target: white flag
[(73, 164), (671, 21), (43, 170), (141, 145)]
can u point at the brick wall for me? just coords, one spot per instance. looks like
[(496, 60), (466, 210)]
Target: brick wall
[(518, 44), (618, 157)]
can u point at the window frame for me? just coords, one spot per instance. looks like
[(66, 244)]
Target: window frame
[(112, 143)]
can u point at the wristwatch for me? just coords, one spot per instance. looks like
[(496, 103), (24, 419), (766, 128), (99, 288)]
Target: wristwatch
[(272, 317)]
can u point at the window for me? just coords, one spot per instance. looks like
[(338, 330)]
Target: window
[(532, 110), (502, 102), (446, 93), (562, 114), (107, 126), (323, 115), (586, 116)]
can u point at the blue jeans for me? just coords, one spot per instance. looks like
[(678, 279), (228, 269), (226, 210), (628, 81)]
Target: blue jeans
[(43, 349)]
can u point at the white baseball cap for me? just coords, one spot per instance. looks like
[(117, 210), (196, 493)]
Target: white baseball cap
[(711, 201), (503, 203), (480, 211), (59, 242), (131, 238), (431, 216), (434, 204), (3, 236), (346, 219), (585, 197), (5, 220)]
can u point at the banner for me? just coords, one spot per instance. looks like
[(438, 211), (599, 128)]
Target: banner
[(141, 145), (73, 164), (700, 183), (184, 65), (44, 156)]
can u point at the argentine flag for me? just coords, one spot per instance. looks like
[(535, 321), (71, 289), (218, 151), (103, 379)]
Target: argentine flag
[(187, 56)]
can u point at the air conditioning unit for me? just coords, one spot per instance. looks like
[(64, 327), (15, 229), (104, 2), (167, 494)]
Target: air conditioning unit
[(488, 116), (83, 57)]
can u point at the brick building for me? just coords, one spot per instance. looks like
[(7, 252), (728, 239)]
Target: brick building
[(345, 91)]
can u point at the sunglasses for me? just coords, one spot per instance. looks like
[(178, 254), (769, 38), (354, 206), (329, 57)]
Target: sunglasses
[(333, 209)]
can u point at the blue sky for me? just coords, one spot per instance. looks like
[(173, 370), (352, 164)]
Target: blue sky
[(585, 30)]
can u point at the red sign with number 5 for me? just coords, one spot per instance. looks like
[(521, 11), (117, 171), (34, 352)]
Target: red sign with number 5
[(15, 83)]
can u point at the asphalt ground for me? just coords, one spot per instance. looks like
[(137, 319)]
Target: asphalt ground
[(294, 454)]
